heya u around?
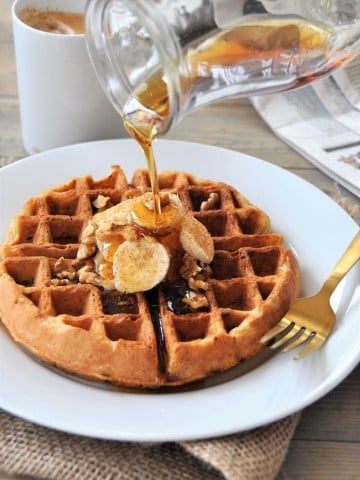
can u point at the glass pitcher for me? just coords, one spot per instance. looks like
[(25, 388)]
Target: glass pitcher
[(158, 60)]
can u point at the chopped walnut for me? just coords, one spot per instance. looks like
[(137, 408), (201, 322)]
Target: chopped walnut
[(196, 301), (88, 275), (204, 273), (101, 202), (60, 265), (210, 203), (60, 281), (67, 274), (63, 270), (196, 274), (88, 234), (88, 242), (132, 193), (197, 284), (85, 251), (189, 266)]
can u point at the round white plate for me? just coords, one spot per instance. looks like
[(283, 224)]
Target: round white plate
[(315, 227)]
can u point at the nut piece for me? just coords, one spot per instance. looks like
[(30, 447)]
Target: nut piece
[(210, 202), (59, 282), (132, 193), (196, 240), (196, 301), (140, 265), (197, 284), (64, 272), (189, 267), (88, 234), (85, 251), (101, 202), (87, 275), (87, 246)]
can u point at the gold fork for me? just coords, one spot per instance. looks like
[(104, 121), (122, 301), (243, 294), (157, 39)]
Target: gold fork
[(310, 321)]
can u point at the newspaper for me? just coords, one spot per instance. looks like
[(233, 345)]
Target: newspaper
[(322, 122)]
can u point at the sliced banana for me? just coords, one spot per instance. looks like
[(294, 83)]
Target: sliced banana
[(143, 212), (119, 214), (196, 240), (140, 265), (140, 211)]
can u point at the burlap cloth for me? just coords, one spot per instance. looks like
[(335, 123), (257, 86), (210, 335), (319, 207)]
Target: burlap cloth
[(30, 450)]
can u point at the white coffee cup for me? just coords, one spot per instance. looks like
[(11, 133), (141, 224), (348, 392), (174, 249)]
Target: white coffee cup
[(61, 101)]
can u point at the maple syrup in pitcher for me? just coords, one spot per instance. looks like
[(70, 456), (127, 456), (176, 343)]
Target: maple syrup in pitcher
[(159, 60)]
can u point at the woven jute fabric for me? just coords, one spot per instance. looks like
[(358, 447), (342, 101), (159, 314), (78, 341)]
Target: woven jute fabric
[(32, 450)]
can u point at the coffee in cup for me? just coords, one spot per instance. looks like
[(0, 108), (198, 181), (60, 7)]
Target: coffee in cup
[(61, 100), (53, 21)]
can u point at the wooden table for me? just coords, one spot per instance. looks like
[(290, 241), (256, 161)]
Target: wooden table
[(326, 444)]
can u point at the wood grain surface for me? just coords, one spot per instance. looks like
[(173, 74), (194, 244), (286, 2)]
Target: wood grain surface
[(326, 444)]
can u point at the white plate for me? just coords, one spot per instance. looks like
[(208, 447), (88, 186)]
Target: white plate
[(316, 228)]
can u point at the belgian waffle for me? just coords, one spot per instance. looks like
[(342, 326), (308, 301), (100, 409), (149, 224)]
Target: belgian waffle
[(146, 339)]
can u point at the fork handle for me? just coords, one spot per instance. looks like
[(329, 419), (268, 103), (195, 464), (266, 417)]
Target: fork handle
[(348, 260)]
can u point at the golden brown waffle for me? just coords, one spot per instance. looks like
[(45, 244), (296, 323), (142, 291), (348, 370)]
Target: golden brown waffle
[(146, 339)]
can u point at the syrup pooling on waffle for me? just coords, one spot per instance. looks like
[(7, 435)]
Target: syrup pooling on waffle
[(50, 302)]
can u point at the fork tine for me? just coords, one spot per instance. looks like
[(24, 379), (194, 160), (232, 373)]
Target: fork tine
[(288, 339), (291, 336), (315, 342), (305, 337), (282, 327)]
